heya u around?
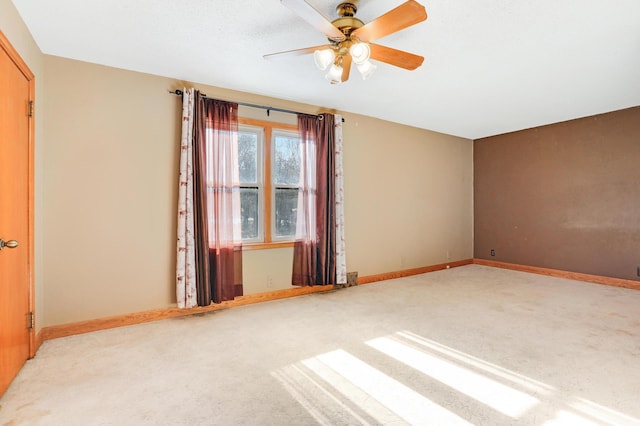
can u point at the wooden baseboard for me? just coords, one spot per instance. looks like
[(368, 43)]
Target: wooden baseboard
[(63, 330), (37, 342), (598, 279), (415, 271)]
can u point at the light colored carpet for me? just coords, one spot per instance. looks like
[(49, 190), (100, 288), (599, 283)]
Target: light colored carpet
[(467, 345)]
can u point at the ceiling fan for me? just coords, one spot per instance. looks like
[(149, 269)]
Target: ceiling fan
[(350, 38)]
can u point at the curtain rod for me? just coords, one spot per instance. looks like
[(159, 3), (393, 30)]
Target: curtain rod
[(179, 92)]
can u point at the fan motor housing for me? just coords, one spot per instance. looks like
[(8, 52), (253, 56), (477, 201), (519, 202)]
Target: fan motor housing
[(347, 22)]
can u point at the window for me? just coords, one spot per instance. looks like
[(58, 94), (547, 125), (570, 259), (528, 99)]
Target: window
[(285, 177), (269, 161), (250, 145)]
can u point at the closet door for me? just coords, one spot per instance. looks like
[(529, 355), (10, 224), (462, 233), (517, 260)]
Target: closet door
[(16, 132)]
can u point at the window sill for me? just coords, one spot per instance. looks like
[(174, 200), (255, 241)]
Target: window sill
[(266, 246)]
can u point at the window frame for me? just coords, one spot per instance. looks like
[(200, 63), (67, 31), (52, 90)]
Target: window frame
[(268, 190), (260, 177), (274, 186)]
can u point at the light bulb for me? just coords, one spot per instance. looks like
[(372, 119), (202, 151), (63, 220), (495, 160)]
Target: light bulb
[(366, 69), (335, 74), (360, 52), (323, 58)]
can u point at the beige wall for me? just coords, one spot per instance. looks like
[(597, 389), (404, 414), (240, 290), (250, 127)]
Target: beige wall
[(15, 30), (408, 196), (110, 193)]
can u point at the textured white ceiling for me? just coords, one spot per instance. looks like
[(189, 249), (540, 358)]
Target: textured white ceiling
[(491, 66)]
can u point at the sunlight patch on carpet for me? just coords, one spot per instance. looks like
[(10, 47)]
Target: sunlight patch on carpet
[(402, 400), (498, 396)]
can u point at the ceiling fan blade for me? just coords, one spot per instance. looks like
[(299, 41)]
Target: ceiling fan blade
[(296, 52), (315, 18), (401, 17), (346, 67), (398, 58)]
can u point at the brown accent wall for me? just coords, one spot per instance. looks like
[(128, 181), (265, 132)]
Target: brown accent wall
[(563, 196)]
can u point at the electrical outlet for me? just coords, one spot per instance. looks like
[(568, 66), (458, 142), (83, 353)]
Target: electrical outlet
[(493, 252)]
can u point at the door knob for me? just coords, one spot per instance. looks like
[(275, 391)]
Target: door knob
[(9, 244)]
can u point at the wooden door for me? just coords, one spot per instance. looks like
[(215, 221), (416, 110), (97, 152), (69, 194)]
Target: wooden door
[(16, 136)]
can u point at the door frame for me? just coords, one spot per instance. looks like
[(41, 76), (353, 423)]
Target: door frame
[(13, 54)]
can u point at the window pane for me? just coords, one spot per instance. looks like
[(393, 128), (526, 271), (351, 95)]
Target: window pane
[(249, 206), (286, 210), (286, 164), (248, 157)]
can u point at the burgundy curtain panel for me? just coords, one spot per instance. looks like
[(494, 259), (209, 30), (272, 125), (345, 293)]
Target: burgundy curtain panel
[(314, 253), (217, 227)]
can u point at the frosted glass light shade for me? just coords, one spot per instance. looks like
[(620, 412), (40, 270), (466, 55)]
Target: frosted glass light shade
[(323, 58), (360, 52), (335, 74), (366, 69)]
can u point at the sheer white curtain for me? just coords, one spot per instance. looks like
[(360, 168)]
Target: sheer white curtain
[(186, 270), (306, 222)]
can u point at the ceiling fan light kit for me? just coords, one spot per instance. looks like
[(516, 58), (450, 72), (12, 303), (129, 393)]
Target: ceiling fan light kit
[(323, 58), (360, 52), (366, 69), (351, 39), (335, 74)]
